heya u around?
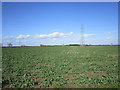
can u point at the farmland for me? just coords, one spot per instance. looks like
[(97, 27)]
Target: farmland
[(60, 67)]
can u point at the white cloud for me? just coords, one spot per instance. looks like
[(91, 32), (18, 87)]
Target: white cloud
[(54, 35), (54, 39), (8, 39), (23, 36), (88, 35), (108, 32), (108, 38)]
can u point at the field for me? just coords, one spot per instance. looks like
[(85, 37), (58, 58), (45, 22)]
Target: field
[(60, 67)]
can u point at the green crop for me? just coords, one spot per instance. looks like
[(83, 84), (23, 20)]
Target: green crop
[(60, 67)]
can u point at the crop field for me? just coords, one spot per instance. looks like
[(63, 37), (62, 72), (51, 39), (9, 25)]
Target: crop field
[(60, 67)]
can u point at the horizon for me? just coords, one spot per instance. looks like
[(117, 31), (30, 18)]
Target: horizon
[(42, 45)]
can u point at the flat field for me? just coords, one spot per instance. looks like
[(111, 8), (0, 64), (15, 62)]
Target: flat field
[(60, 67)]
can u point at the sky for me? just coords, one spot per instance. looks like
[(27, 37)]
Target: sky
[(58, 23)]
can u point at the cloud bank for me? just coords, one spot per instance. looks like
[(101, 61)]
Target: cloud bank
[(52, 38), (54, 35)]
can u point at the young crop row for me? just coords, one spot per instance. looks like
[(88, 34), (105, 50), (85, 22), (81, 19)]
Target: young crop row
[(52, 67)]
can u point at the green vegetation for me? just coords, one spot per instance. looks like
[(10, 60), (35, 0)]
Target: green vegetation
[(60, 67)]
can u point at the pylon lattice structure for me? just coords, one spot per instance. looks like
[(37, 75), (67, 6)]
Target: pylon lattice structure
[(82, 35)]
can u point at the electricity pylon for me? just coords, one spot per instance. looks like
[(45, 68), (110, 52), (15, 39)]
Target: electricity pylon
[(82, 35)]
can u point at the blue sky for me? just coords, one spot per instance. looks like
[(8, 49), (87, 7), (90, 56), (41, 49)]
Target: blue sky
[(35, 23)]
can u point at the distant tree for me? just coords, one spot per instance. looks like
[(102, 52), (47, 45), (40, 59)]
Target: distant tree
[(86, 45), (40, 44), (111, 44), (74, 45), (9, 44)]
